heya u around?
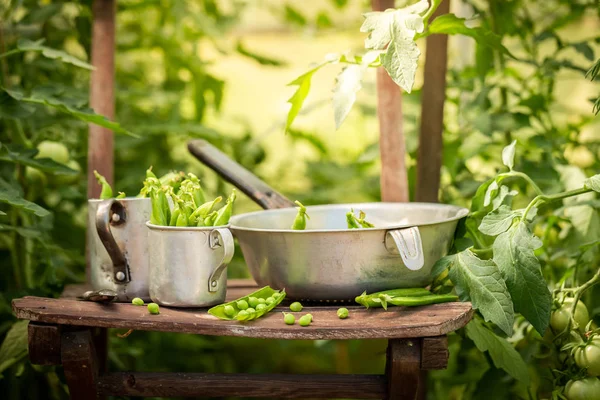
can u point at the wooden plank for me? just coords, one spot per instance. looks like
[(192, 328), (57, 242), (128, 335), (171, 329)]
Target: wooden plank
[(394, 178), (429, 157), (403, 369), (236, 288), (79, 363), (102, 98), (434, 353), (243, 385), (397, 322), (44, 343)]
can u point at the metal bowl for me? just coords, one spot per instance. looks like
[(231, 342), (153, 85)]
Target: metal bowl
[(330, 262)]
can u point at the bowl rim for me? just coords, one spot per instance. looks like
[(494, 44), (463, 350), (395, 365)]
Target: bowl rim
[(461, 212)]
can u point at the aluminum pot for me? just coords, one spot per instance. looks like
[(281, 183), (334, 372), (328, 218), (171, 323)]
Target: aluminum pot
[(330, 262), (118, 246), (188, 265)]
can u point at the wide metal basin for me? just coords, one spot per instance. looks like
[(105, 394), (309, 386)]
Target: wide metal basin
[(330, 262)]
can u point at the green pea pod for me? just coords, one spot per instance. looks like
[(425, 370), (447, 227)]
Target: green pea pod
[(351, 220), (210, 219), (121, 195), (150, 174), (300, 220), (182, 220), (161, 213), (106, 192), (174, 216), (264, 293), (200, 222), (224, 214), (362, 222), (423, 300), (380, 299), (205, 209)]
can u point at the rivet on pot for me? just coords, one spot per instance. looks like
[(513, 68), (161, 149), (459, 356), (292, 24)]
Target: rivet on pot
[(120, 275)]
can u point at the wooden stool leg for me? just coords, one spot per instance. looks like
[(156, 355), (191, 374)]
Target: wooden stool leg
[(403, 368), (80, 364), (100, 340)]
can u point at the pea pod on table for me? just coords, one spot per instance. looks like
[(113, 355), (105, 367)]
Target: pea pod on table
[(403, 297), (231, 310)]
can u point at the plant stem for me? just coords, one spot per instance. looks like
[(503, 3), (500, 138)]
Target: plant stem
[(579, 292), (435, 4), (526, 178), (553, 197)]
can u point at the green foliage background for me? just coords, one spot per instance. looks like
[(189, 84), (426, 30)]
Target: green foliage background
[(216, 70)]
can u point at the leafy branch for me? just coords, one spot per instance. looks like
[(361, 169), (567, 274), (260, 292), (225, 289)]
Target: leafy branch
[(392, 44)]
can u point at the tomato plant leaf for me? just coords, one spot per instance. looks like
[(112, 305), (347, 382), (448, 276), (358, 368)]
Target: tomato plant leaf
[(344, 93), (10, 195), (21, 155), (402, 55), (508, 155), (14, 347), (498, 221), (502, 353), (28, 45), (480, 282), (450, 24), (303, 83), (514, 255), (593, 183), (504, 196), (73, 109)]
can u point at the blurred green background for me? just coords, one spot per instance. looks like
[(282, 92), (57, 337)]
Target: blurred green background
[(218, 70)]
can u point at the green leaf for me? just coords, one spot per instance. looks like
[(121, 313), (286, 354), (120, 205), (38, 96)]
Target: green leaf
[(504, 196), (11, 196), (502, 353), (480, 282), (13, 108), (378, 26), (585, 49), (261, 59), (402, 56), (303, 83), (30, 233), (71, 108), (395, 30), (593, 183), (450, 24), (514, 255), (344, 93), (508, 155), (28, 45), (14, 347), (21, 155), (294, 16), (498, 221)]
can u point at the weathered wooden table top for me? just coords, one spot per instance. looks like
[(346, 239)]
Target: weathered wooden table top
[(397, 322)]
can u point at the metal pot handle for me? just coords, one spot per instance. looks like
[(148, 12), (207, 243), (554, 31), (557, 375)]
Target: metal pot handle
[(408, 244), (220, 237), (111, 212)]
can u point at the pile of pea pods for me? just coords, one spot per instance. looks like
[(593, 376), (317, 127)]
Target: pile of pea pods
[(352, 220), (190, 207)]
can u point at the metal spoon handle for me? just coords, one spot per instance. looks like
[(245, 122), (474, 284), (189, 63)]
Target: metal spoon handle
[(240, 177)]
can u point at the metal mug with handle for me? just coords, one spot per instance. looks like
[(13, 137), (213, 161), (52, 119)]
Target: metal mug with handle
[(118, 246), (188, 265)]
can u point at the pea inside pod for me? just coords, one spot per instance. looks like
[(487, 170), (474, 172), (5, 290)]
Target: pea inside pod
[(249, 307)]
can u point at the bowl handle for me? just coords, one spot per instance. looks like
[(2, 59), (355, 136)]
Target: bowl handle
[(111, 212), (408, 244), (220, 237)]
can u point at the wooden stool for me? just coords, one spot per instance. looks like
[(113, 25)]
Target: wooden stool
[(73, 333)]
